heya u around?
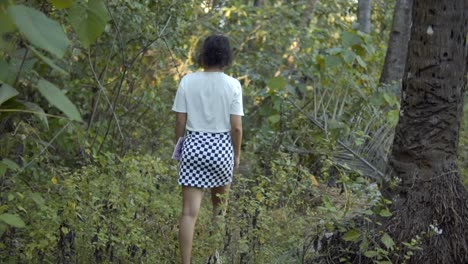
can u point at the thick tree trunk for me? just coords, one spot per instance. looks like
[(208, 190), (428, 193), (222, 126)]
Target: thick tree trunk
[(364, 15), (424, 153), (395, 59)]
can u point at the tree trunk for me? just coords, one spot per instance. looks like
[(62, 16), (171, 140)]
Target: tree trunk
[(257, 3), (424, 155), (395, 58), (364, 15)]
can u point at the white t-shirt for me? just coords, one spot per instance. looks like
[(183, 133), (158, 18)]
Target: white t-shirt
[(209, 98)]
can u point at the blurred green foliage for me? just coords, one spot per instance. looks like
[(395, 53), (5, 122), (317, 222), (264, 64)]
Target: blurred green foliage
[(86, 128)]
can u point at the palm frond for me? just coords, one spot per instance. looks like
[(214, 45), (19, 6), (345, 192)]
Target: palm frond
[(368, 157)]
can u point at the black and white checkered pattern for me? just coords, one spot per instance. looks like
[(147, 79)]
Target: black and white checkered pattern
[(207, 160)]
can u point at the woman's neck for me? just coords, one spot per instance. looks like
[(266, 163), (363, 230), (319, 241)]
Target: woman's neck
[(213, 69)]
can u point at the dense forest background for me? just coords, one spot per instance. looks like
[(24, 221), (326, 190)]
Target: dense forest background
[(86, 130)]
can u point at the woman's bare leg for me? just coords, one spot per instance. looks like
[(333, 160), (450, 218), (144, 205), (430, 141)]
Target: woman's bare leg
[(192, 198)]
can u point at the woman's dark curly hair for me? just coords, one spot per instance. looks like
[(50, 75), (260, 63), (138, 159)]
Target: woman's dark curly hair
[(216, 51)]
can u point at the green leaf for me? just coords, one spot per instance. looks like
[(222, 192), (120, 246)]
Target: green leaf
[(38, 112), (3, 44), (348, 56), (47, 61), (371, 253), (385, 213), (10, 164), (389, 98), (364, 245), (335, 50), (3, 228), (368, 212), (6, 73), (57, 98), (89, 20), (6, 23), (332, 61), (321, 63), (60, 4), (387, 241), (276, 100), (352, 235), (274, 119), (37, 198), (3, 169), (359, 50), (7, 92), (330, 227), (39, 30), (291, 89), (335, 124), (349, 39), (361, 62), (393, 116), (13, 220), (276, 83)]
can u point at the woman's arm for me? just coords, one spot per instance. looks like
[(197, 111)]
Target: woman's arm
[(181, 120), (236, 134)]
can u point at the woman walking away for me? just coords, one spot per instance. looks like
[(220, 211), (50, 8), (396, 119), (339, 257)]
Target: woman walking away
[(209, 111)]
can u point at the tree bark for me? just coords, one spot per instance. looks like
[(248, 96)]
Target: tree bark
[(394, 65), (424, 155), (364, 15)]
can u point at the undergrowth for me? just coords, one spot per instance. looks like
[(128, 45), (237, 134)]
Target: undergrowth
[(122, 210)]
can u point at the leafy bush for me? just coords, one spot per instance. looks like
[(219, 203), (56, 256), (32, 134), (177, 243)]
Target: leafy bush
[(120, 209)]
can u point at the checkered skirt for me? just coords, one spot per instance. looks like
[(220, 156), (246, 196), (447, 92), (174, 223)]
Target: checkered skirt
[(207, 160)]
